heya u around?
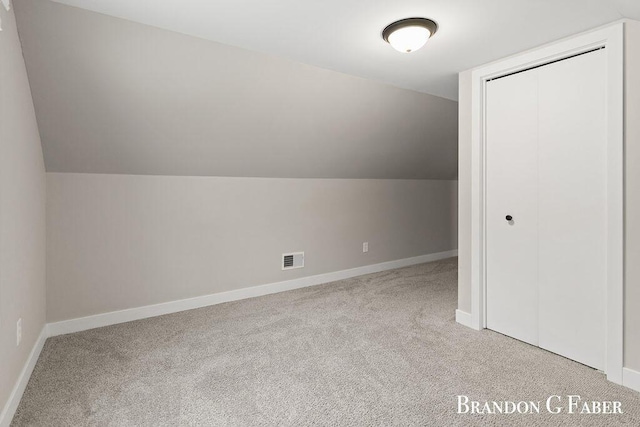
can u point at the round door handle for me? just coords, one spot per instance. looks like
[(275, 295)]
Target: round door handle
[(509, 217)]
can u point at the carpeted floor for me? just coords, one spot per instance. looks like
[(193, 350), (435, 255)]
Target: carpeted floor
[(381, 349)]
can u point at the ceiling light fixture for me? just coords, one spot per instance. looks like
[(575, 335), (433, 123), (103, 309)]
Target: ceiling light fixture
[(409, 35)]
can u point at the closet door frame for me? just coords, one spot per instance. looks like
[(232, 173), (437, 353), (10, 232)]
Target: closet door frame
[(611, 38)]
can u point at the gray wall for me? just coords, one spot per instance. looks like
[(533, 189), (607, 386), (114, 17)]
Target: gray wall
[(22, 212), (632, 195), (464, 192), (123, 241), (114, 96)]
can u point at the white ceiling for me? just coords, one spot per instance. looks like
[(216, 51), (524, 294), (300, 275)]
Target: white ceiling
[(344, 35)]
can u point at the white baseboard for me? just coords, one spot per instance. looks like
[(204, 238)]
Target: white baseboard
[(114, 317), (631, 379), (11, 406), (464, 318)]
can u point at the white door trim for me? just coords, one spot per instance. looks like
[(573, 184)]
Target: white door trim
[(612, 38)]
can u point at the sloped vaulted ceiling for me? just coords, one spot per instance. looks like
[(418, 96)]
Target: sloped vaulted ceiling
[(114, 96), (117, 96)]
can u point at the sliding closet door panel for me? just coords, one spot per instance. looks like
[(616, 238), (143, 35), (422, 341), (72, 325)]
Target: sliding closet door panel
[(572, 207), (512, 252)]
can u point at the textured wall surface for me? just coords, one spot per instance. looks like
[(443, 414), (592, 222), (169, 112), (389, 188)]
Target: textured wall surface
[(632, 197), (124, 241), (464, 193), (22, 212)]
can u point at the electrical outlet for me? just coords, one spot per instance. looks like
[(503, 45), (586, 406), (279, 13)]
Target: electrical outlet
[(365, 247), (18, 332)]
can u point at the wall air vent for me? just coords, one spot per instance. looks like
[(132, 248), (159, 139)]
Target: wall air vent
[(292, 260)]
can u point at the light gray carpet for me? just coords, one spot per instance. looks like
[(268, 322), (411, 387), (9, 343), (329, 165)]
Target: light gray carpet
[(381, 349)]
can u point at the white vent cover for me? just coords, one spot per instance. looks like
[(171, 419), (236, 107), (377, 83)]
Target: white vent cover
[(292, 260)]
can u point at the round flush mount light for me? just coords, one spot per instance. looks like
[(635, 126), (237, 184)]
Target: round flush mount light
[(409, 35)]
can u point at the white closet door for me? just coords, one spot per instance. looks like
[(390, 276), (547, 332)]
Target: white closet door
[(572, 207), (511, 189), (546, 167)]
